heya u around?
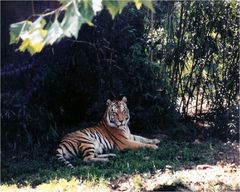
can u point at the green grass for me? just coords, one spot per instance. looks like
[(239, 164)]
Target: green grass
[(42, 166)]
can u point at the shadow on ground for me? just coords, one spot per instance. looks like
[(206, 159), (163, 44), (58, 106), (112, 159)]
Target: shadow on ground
[(41, 166)]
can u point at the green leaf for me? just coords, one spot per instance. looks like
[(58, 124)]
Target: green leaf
[(16, 29), (122, 4), (49, 24), (35, 47), (112, 7), (148, 4), (64, 2), (30, 31), (33, 41), (71, 23), (86, 10), (138, 3), (96, 5), (24, 45), (38, 24), (54, 33)]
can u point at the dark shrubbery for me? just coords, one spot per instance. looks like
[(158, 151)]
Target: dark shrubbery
[(181, 56), (107, 61), (111, 63)]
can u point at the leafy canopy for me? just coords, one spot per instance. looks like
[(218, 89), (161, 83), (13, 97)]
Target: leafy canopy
[(33, 36)]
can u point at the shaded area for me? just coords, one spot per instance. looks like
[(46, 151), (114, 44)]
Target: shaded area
[(40, 167), (170, 65)]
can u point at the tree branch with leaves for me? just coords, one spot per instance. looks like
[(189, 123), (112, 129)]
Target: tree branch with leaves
[(33, 36)]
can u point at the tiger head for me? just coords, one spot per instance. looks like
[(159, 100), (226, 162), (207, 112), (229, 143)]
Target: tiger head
[(117, 113)]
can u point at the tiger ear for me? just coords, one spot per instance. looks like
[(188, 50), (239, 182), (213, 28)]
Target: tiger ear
[(108, 102), (124, 99)]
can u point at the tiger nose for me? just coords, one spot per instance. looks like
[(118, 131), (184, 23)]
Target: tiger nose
[(120, 120)]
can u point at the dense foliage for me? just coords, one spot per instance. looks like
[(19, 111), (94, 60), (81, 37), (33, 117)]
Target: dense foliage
[(196, 44), (201, 48), (185, 55)]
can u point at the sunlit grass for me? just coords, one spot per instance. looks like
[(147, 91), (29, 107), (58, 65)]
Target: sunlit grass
[(216, 178), (62, 185)]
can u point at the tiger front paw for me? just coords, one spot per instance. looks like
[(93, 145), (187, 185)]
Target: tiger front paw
[(155, 141), (153, 146)]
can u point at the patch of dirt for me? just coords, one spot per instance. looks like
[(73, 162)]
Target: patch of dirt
[(201, 178), (223, 174)]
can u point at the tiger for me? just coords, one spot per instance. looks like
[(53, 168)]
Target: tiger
[(111, 132)]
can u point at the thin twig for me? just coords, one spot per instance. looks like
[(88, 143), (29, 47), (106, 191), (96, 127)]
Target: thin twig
[(51, 12)]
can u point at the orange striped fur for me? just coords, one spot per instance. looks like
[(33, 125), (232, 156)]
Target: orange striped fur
[(94, 143)]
